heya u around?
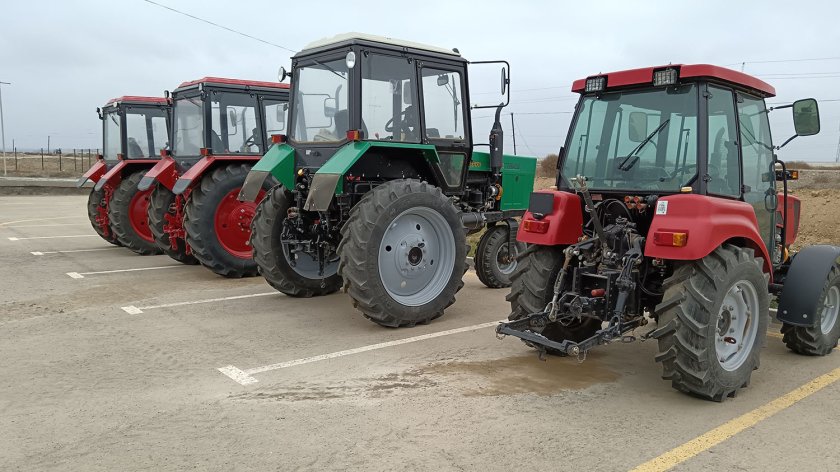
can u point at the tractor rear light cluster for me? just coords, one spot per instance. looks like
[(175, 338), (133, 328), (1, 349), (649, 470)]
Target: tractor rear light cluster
[(670, 238), (596, 84), (120, 157), (278, 138), (354, 135), (205, 152), (637, 203), (535, 226), (165, 152), (667, 76)]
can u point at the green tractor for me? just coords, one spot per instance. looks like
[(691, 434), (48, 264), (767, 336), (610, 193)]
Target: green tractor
[(380, 181)]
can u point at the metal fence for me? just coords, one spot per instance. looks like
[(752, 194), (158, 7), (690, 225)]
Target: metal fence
[(72, 161)]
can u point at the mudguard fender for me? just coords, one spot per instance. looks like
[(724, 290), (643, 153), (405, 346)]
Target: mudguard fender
[(192, 175), (114, 175), (804, 284), (96, 171), (558, 220), (279, 161), (164, 171)]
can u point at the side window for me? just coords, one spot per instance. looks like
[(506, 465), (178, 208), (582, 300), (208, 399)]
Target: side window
[(241, 133), (443, 104), (160, 134), (276, 113), (723, 166), (138, 143), (389, 95)]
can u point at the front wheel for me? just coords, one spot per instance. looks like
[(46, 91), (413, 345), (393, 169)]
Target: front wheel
[(218, 225), (403, 253), (495, 256), (165, 210), (97, 209), (820, 339), (712, 323), (128, 213), (289, 270)]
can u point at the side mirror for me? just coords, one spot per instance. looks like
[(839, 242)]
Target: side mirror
[(442, 80), (330, 107), (505, 80), (638, 126), (806, 117), (406, 92)]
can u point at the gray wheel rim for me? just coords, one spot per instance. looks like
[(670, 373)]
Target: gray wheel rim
[(306, 265), (506, 258), (737, 325), (830, 309), (416, 256)]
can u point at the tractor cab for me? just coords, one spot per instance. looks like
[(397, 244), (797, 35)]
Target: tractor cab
[(134, 128), (644, 134), (225, 117)]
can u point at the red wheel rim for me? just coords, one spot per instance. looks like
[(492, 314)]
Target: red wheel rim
[(233, 223), (138, 214)]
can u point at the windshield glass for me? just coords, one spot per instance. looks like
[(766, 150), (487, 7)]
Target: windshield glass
[(188, 130), (645, 140), (111, 136), (146, 131), (320, 104)]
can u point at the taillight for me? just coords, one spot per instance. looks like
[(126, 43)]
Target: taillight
[(120, 157), (205, 152), (535, 226), (670, 238), (278, 138), (354, 135)]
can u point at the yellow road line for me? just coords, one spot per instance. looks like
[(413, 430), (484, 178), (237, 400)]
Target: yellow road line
[(725, 431)]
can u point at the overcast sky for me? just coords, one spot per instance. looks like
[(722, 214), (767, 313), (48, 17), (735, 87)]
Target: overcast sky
[(66, 58)]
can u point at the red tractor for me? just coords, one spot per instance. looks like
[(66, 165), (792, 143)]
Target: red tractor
[(221, 127), (134, 131), (667, 207)]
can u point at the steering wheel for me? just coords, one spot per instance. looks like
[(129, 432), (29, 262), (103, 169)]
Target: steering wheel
[(404, 125)]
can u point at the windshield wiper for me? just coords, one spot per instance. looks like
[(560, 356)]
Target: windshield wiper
[(631, 159)]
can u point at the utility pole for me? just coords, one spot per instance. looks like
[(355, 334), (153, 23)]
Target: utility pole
[(837, 155), (513, 132), (48, 144), (3, 125)]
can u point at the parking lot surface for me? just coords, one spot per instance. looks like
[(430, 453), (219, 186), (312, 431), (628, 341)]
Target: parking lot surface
[(113, 361)]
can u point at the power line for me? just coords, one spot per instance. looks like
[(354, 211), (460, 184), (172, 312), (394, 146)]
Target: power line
[(776, 61), (220, 26)]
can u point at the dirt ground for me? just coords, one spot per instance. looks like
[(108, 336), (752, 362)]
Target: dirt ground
[(31, 165)]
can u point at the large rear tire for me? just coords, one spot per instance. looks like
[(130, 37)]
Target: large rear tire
[(533, 287), (96, 208), (495, 257), (128, 213), (218, 225), (298, 277), (403, 253), (820, 339), (712, 323), (161, 208)]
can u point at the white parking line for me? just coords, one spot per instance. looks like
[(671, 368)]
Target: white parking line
[(245, 377), (37, 219), (57, 237), (44, 226), (41, 253), (136, 310), (81, 275)]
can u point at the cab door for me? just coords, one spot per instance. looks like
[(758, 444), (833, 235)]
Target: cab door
[(759, 184), (444, 122)]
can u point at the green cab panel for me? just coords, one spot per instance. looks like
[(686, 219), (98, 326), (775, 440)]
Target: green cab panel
[(518, 173), (279, 161), (341, 162)]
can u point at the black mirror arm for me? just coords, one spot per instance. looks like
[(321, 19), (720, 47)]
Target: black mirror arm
[(786, 142)]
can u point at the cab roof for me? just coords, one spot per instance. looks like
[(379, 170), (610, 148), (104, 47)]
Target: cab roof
[(137, 99), (644, 76), (233, 82), (364, 38)]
